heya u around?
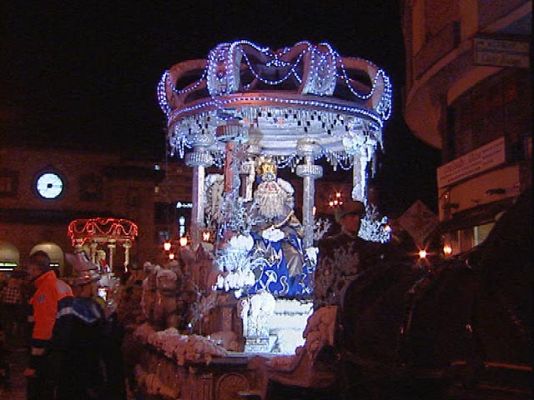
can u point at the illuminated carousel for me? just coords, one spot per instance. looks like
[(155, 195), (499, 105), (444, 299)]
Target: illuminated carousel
[(252, 111), (99, 237)]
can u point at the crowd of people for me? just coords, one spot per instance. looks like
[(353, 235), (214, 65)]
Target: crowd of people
[(14, 312), (75, 338), (72, 336), (13, 306)]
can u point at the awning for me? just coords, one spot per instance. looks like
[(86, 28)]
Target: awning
[(479, 215), (9, 253)]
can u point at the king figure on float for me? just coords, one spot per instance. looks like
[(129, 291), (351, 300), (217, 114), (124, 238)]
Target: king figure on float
[(277, 235)]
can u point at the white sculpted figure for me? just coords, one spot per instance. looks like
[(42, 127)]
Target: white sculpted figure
[(164, 313), (148, 297), (214, 188), (273, 198), (255, 312)]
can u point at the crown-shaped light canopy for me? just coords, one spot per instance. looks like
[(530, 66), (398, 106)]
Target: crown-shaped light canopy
[(304, 93)]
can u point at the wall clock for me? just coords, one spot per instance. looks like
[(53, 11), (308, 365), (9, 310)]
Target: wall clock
[(49, 185)]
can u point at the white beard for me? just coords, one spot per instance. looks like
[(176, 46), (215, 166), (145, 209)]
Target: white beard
[(271, 200)]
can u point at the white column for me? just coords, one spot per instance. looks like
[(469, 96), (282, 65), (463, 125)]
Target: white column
[(308, 172), (111, 247), (127, 245), (199, 160), (359, 177), (93, 247), (78, 244)]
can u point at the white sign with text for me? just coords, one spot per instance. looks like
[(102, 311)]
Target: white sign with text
[(488, 156), (502, 53)]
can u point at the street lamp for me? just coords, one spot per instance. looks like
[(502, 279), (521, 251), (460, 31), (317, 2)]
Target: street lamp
[(336, 200), (167, 246)]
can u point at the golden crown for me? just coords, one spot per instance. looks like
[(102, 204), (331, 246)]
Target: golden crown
[(266, 166)]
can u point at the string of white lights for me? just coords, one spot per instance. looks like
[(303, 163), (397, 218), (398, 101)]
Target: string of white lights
[(243, 99), (275, 82), (346, 127), (319, 60)]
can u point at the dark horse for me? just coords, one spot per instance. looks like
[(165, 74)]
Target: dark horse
[(460, 328)]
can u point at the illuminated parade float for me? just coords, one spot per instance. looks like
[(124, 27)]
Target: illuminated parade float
[(99, 235), (251, 111), (95, 242)]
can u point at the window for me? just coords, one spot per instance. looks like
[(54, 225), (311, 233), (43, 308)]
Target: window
[(498, 106), (90, 187), (162, 236), (181, 226), (175, 221), (438, 14), (133, 198), (163, 214), (8, 183), (453, 240), (465, 239), (460, 240), (481, 232)]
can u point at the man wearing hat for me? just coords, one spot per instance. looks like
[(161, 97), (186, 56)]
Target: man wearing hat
[(82, 376), (342, 256), (348, 216)]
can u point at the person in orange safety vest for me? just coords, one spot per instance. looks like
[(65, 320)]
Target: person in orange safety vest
[(51, 296)]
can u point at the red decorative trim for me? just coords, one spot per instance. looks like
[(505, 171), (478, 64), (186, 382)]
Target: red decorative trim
[(101, 230)]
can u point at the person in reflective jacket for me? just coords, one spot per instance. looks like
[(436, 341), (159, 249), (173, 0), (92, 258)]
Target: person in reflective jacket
[(51, 296)]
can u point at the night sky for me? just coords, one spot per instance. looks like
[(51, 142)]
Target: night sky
[(83, 74)]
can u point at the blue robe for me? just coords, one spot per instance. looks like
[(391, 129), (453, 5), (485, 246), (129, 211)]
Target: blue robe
[(286, 272)]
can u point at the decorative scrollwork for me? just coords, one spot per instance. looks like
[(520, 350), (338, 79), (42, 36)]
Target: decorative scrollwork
[(102, 229), (315, 171), (199, 158), (229, 386), (307, 91)]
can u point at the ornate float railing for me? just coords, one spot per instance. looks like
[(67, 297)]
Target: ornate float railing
[(103, 231)]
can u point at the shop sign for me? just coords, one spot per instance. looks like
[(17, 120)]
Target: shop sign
[(501, 53), (488, 156), (418, 221), (184, 204)]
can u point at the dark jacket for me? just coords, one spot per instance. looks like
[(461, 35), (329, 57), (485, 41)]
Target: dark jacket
[(81, 341)]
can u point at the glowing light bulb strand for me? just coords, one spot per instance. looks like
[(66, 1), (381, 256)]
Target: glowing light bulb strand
[(193, 86), (273, 82), (226, 52)]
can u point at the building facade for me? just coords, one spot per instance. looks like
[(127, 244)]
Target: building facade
[(468, 93), (42, 190)]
